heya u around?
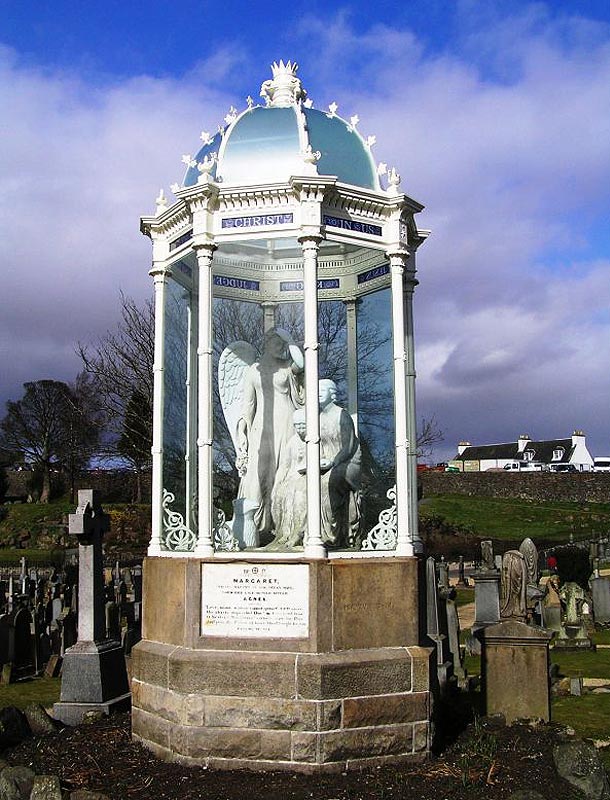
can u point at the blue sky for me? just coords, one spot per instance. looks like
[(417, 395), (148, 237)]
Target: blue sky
[(496, 114)]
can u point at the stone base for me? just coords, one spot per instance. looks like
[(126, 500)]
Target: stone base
[(94, 677), (573, 644), (344, 697), (74, 713)]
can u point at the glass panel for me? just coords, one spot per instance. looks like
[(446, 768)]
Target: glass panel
[(376, 404), (258, 380), (177, 533)]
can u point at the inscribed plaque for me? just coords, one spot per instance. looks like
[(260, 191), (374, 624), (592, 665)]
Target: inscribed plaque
[(255, 600)]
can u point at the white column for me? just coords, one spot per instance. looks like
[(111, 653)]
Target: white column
[(352, 360), (160, 275), (314, 546), (409, 286), (205, 543), (269, 309), (191, 405), (404, 544)]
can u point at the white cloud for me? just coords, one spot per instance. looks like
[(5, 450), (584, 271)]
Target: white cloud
[(505, 137)]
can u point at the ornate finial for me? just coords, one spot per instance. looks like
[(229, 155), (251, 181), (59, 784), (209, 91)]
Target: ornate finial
[(311, 158), (393, 181), (189, 161), (250, 102), (382, 168), (231, 116), (332, 109), (161, 202), (285, 89), (308, 103), (370, 141), (205, 167), (175, 187), (206, 138), (353, 121)]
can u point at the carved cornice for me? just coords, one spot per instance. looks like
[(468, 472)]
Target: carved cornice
[(170, 222)]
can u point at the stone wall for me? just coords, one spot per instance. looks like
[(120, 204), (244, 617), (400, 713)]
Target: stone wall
[(584, 487)]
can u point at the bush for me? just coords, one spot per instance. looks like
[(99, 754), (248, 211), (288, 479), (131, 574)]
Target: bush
[(573, 566)]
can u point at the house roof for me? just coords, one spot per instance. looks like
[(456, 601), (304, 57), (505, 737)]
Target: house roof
[(543, 451)]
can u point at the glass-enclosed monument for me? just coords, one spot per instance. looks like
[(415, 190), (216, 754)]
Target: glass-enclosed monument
[(284, 413)]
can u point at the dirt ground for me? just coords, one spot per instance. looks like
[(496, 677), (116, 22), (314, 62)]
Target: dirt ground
[(487, 760)]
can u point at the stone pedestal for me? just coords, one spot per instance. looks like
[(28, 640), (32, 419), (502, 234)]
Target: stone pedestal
[(515, 670), (94, 676), (486, 597), (93, 679), (346, 685)]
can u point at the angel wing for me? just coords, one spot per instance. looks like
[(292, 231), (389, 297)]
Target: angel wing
[(234, 361)]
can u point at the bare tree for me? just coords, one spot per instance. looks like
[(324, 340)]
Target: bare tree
[(121, 367), (52, 427), (428, 435)]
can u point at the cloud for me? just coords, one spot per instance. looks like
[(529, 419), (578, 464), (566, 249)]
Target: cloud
[(503, 132), (80, 163), (506, 138)]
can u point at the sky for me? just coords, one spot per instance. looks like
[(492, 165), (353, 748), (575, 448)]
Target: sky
[(496, 115)]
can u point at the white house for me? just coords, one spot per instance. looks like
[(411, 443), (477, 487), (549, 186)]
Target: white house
[(478, 458)]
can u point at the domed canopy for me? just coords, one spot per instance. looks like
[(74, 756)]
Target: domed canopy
[(269, 144)]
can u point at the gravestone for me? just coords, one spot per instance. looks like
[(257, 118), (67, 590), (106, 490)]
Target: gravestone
[(94, 676), (600, 591), (461, 572), (437, 626), (551, 606), (486, 596), (515, 670), (447, 594), (573, 633)]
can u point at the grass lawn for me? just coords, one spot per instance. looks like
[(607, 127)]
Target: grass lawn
[(600, 637), (510, 518), (464, 596), (38, 690), (585, 664)]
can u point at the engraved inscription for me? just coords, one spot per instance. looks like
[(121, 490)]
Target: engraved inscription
[(252, 600)]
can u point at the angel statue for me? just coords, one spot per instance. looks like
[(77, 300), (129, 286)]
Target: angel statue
[(258, 400)]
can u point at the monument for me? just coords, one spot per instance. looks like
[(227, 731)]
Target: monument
[(94, 677), (515, 657), (281, 601)]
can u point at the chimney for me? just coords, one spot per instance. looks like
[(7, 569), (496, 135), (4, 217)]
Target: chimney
[(462, 446), (522, 442), (578, 437)]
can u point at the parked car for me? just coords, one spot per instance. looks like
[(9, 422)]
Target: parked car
[(563, 468), (524, 466)]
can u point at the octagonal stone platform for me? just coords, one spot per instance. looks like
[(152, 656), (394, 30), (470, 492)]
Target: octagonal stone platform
[(354, 692)]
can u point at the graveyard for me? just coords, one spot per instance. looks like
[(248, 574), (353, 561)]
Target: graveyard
[(292, 615)]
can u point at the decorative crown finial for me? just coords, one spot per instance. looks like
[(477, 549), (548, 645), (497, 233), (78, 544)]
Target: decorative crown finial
[(285, 89)]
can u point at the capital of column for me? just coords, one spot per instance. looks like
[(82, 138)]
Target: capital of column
[(310, 241), (160, 273), (204, 250), (398, 255)]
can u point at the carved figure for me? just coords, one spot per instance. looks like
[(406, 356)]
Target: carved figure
[(529, 552), (513, 586), (553, 598), (340, 467), (289, 496), (573, 597), (487, 555), (258, 400)]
